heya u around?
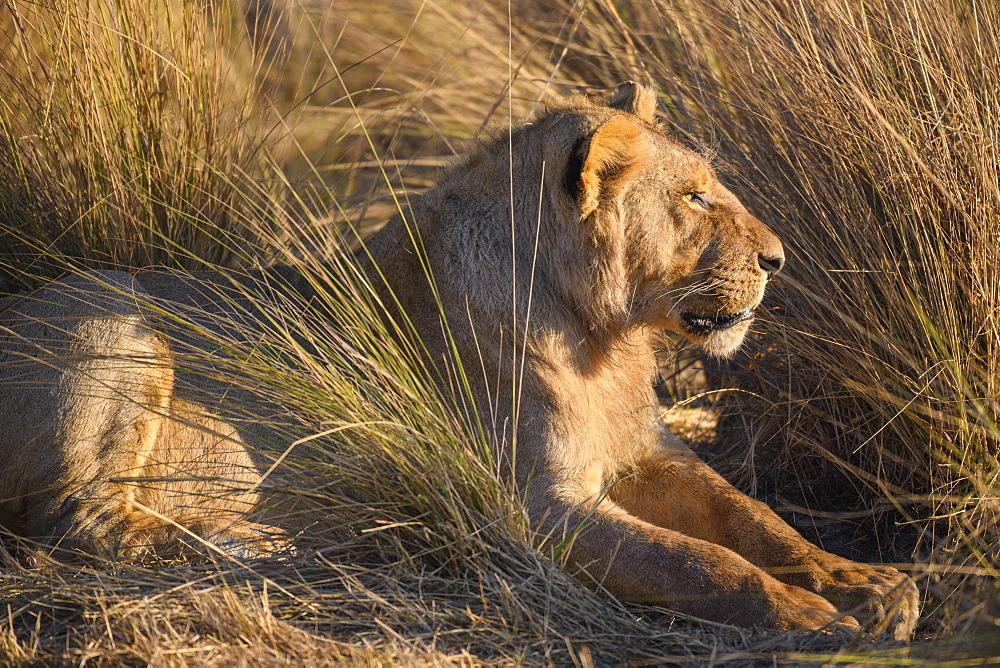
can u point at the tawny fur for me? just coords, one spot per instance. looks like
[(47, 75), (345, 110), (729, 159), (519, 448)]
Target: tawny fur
[(106, 450), (616, 232)]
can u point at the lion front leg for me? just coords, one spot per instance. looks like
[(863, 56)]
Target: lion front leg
[(675, 490), (638, 561)]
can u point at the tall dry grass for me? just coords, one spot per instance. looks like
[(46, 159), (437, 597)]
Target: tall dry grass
[(864, 133), (136, 136), (230, 135), (127, 140)]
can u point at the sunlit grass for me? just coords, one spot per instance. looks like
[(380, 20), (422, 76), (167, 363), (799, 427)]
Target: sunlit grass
[(863, 133)]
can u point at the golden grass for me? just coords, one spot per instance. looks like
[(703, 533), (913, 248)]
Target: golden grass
[(863, 132)]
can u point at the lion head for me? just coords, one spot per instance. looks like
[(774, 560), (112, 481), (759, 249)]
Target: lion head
[(655, 240), (620, 225)]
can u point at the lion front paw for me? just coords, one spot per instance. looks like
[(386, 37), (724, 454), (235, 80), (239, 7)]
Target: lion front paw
[(248, 540), (801, 609), (883, 600)]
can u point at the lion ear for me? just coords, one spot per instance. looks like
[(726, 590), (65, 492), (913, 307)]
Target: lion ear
[(635, 98), (617, 152)]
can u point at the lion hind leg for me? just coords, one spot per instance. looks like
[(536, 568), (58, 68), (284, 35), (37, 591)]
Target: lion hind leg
[(85, 379), (202, 483), (93, 429)]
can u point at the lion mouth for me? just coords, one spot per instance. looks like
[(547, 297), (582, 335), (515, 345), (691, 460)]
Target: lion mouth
[(704, 324)]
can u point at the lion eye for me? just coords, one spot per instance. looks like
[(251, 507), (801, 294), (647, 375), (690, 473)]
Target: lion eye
[(697, 199)]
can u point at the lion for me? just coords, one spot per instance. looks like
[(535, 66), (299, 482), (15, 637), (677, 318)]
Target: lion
[(544, 263)]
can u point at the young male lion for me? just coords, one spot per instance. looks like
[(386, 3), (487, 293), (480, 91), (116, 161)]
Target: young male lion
[(556, 251)]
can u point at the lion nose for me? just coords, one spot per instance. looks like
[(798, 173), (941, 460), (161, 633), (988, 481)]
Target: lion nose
[(769, 251), (771, 262)]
